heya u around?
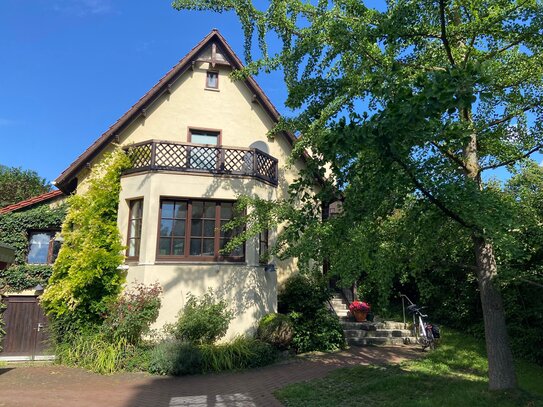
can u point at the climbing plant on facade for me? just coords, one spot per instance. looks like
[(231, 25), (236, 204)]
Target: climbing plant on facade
[(86, 278)]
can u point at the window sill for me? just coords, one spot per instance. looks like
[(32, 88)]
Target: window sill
[(213, 89), (200, 263)]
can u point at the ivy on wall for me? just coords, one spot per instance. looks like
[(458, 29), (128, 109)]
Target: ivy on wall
[(14, 229)]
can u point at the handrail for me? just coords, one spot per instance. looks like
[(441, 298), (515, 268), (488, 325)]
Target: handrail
[(157, 155), (402, 296)]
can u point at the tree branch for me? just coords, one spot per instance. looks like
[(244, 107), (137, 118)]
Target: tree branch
[(444, 38), (450, 155), (441, 206), (511, 115), (513, 160)]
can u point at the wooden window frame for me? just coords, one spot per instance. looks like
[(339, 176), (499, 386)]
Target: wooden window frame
[(217, 257), (128, 236), (191, 130), (210, 71), (50, 249)]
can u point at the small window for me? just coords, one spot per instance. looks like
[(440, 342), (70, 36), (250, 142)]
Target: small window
[(212, 80), (134, 229), (204, 158), (43, 247), (263, 245)]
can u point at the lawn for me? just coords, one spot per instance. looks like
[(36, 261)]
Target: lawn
[(453, 375)]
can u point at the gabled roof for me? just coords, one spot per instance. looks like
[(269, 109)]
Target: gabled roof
[(65, 180), (31, 201)]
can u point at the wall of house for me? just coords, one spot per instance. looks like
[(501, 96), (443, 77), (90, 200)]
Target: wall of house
[(251, 291)]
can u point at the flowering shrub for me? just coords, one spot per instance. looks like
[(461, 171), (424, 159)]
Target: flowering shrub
[(132, 314), (359, 306)]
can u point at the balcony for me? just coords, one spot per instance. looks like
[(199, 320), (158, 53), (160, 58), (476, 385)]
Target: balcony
[(155, 155)]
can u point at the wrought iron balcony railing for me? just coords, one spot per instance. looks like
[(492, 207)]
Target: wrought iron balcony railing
[(155, 155)]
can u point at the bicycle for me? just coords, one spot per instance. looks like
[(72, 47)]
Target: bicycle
[(427, 334)]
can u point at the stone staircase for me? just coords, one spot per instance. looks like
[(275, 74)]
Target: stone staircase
[(377, 333)]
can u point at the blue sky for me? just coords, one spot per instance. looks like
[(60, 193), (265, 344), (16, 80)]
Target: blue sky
[(70, 68)]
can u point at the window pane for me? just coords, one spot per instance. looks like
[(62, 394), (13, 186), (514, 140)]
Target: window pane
[(132, 244), (135, 228), (56, 248), (237, 252), (195, 247), (226, 233), (209, 228), (164, 246), (136, 208), (181, 210), (39, 248), (204, 138), (166, 226), (226, 210), (196, 228), (212, 80), (178, 247), (167, 209), (179, 228), (209, 209), (197, 209), (208, 247)]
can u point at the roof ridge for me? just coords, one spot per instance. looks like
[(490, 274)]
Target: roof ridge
[(31, 201)]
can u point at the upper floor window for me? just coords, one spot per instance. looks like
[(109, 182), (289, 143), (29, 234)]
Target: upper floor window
[(192, 230), (43, 247), (135, 218), (204, 158), (212, 80)]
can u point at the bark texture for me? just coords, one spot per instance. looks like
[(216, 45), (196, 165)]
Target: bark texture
[(501, 371)]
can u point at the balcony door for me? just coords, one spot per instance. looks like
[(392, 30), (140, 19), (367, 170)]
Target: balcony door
[(206, 157)]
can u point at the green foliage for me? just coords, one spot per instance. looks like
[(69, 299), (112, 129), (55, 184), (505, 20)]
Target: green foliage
[(14, 226), (86, 279), (94, 352), (132, 314), (203, 320), (240, 353), (24, 276), (452, 375), (318, 332), (175, 358), (17, 185), (179, 358), (303, 293), (277, 330)]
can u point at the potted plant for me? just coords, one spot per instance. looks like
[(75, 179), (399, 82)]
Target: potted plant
[(359, 309)]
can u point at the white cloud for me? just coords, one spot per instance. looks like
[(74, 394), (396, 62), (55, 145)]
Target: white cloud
[(83, 7)]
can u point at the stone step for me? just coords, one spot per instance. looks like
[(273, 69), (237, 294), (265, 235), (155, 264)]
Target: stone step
[(381, 333), (372, 326), (380, 341)]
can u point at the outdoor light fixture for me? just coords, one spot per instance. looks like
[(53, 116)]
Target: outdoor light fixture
[(38, 288), (270, 268)]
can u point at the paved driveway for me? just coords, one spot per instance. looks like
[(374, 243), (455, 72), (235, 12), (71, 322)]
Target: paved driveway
[(51, 385)]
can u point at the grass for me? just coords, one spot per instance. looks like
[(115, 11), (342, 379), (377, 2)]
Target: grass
[(453, 375)]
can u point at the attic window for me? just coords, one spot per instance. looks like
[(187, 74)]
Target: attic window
[(212, 80)]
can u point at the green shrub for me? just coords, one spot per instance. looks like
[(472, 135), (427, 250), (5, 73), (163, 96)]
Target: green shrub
[(203, 320), (302, 293), (241, 353), (321, 332), (132, 314), (94, 352), (276, 329), (175, 358), (86, 278)]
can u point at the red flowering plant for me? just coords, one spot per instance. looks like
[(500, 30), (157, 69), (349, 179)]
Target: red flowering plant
[(359, 306)]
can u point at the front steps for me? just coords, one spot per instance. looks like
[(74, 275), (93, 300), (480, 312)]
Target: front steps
[(377, 333)]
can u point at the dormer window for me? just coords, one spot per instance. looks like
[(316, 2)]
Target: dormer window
[(212, 80)]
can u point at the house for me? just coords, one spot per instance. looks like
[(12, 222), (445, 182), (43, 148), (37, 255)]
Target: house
[(31, 228), (197, 140)]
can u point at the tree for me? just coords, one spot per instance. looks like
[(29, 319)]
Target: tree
[(17, 185), (413, 97)]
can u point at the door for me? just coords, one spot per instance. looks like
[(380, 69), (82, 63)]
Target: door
[(25, 323)]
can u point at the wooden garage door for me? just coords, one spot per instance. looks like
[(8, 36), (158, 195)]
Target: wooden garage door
[(25, 323)]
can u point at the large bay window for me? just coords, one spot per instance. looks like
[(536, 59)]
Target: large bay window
[(43, 247), (192, 230)]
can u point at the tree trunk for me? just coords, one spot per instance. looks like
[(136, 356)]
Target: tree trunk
[(501, 371)]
